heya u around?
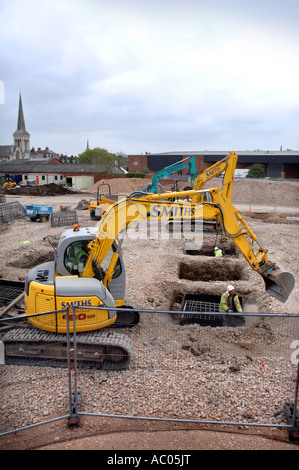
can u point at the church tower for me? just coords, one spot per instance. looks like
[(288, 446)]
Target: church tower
[(21, 136)]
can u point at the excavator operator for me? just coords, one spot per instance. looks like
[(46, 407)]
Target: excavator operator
[(230, 301)]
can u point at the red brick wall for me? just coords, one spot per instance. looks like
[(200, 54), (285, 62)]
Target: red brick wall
[(137, 163)]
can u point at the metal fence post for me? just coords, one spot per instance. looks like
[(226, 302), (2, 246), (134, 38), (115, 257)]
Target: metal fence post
[(295, 428), (296, 401), (74, 396), (292, 415)]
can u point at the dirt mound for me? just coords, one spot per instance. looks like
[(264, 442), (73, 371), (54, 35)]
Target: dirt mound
[(119, 185), (262, 191), (51, 189)]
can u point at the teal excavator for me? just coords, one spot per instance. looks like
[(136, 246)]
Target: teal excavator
[(188, 162)]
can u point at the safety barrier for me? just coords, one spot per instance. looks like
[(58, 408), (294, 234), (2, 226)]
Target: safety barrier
[(225, 375), (11, 211)]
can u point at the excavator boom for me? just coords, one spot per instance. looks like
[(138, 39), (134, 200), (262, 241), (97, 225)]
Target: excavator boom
[(226, 165), (215, 207)]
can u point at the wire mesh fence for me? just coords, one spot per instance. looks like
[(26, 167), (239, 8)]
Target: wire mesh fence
[(11, 211), (64, 218), (238, 375), (230, 374)]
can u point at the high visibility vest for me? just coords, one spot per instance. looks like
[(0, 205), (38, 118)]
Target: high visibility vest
[(81, 256), (235, 303), (218, 253)]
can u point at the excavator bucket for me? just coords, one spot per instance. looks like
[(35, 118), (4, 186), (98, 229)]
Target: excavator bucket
[(279, 284)]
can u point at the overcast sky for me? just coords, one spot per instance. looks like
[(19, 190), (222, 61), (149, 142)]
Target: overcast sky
[(138, 76)]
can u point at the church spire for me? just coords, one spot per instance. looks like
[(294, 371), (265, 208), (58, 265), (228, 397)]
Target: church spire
[(21, 120)]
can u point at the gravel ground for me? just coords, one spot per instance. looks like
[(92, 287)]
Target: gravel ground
[(241, 374)]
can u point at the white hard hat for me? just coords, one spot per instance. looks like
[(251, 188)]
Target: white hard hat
[(230, 288), (216, 248)]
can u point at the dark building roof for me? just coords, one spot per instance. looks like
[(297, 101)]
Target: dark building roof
[(259, 156), (5, 150), (43, 166), (157, 161)]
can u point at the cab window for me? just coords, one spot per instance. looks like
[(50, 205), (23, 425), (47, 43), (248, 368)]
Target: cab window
[(76, 256)]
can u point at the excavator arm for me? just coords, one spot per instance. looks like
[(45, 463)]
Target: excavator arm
[(216, 206), (227, 165), (134, 209), (188, 162)]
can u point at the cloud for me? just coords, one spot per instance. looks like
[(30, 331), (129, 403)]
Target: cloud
[(151, 75)]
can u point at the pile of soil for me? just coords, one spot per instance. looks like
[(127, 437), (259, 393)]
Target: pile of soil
[(51, 189), (119, 185), (262, 191)]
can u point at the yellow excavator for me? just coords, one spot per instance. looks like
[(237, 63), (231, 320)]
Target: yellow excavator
[(98, 281), (6, 183)]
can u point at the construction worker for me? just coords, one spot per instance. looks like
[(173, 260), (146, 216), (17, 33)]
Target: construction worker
[(218, 252), (230, 301), (81, 256)]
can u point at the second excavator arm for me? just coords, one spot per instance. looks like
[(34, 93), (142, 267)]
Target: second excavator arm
[(188, 162), (226, 165)]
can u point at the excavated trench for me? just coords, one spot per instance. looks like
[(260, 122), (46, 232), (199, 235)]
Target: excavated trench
[(202, 280), (31, 259), (214, 269), (203, 303), (208, 246)]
